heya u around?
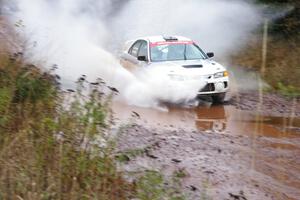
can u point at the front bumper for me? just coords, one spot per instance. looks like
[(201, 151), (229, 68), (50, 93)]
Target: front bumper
[(215, 86)]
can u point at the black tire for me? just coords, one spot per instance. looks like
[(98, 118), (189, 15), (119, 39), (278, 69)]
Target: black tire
[(218, 98)]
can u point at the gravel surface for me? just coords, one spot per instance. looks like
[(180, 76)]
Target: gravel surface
[(217, 165), (273, 104), (220, 166)]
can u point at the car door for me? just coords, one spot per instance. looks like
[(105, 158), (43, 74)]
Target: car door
[(130, 59)]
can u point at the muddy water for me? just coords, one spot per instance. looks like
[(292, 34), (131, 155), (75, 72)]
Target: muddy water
[(224, 119), (272, 162)]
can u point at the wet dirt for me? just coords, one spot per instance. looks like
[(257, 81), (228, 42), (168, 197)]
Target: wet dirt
[(225, 119), (227, 152)]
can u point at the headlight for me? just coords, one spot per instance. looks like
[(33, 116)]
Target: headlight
[(221, 74), (176, 77)]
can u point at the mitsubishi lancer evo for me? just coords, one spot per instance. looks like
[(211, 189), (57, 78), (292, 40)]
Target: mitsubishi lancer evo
[(183, 58)]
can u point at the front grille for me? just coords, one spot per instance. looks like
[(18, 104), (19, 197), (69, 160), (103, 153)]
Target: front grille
[(210, 87)]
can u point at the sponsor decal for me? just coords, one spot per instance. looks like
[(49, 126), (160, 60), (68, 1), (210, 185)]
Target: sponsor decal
[(153, 44)]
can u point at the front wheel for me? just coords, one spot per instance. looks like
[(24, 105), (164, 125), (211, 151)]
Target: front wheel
[(218, 98)]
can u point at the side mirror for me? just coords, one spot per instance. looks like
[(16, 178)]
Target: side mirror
[(142, 58), (210, 54)]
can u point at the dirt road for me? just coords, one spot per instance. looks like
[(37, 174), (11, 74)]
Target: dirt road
[(221, 152)]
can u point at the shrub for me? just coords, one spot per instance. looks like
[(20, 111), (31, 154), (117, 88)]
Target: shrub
[(51, 147)]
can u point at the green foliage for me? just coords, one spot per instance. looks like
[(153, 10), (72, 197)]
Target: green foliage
[(180, 173), (282, 61), (30, 87), (54, 146), (289, 91), (283, 48), (125, 156), (150, 186), (122, 158), (204, 193), (5, 99)]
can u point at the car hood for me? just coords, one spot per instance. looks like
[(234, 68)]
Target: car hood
[(188, 67)]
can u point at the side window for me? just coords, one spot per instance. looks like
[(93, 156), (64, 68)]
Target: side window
[(135, 48), (143, 51)]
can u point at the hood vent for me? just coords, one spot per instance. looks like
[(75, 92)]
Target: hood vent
[(192, 66)]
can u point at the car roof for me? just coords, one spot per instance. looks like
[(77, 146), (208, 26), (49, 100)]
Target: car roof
[(154, 39), (161, 38)]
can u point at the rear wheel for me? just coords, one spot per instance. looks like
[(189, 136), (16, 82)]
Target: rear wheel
[(218, 98)]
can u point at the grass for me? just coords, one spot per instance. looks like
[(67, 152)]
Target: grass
[(282, 70), (180, 173), (150, 186), (289, 90), (204, 192), (49, 150), (153, 186), (125, 156)]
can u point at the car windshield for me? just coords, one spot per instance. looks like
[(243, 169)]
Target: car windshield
[(176, 51)]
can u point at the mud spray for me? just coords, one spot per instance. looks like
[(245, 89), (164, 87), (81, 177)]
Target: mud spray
[(84, 37)]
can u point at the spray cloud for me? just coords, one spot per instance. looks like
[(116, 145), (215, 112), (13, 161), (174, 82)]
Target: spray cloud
[(83, 37)]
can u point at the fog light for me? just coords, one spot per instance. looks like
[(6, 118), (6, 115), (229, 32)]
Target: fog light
[(219, 86), (225, 74)]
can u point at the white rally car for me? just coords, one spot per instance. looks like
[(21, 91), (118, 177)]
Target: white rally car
[(183, 58)]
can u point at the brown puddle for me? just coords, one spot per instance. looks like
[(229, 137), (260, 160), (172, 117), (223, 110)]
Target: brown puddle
[(223, 119), (274, 159)]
